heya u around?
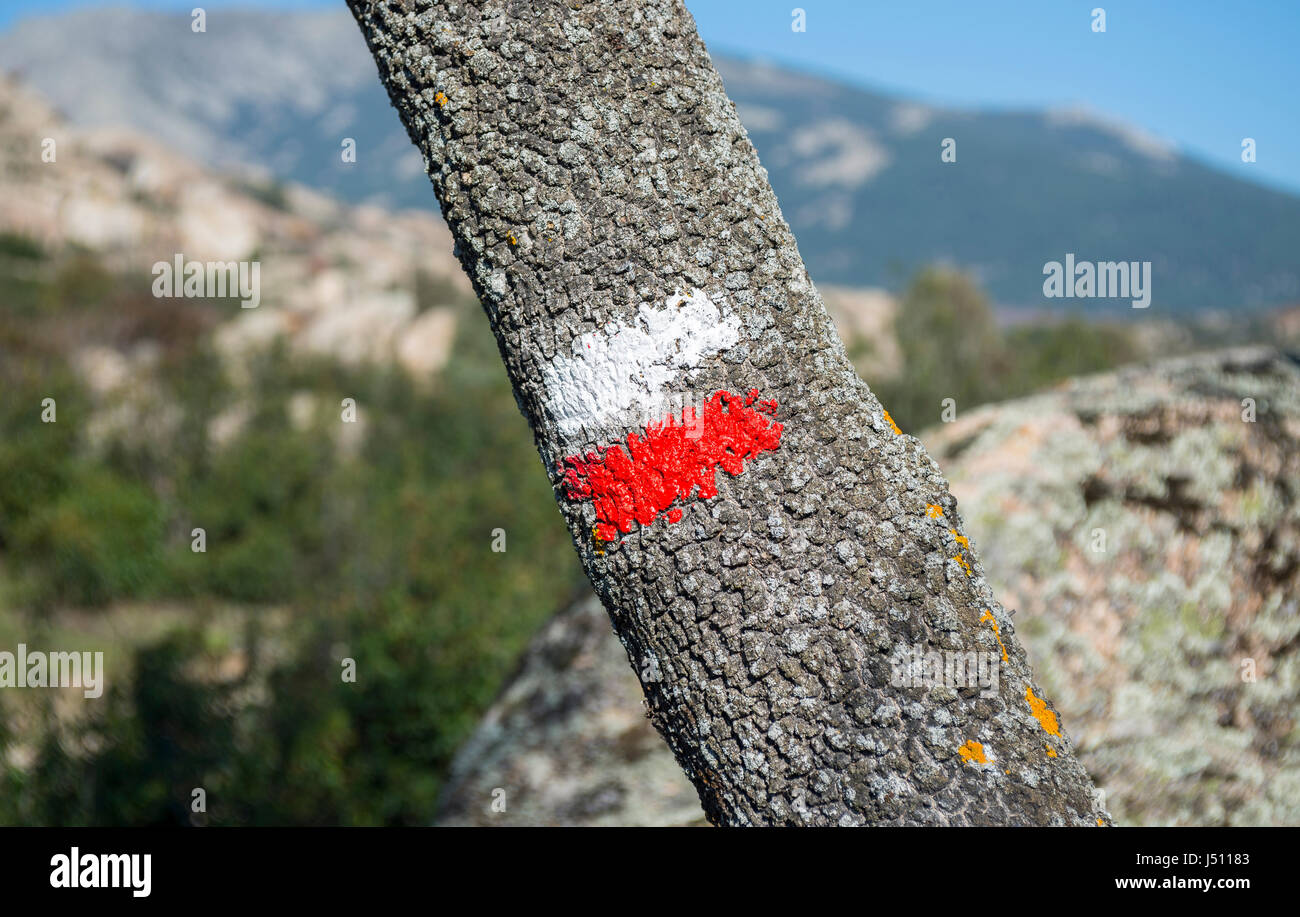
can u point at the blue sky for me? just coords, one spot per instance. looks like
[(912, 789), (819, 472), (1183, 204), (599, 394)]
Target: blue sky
[(1202, 74)]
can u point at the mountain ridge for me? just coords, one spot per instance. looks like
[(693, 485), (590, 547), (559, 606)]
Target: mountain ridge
[(858, 171)]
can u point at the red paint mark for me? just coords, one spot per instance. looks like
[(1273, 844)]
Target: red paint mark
[(674, 460)]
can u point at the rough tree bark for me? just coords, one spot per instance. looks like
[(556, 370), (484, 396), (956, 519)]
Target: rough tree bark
[(591, 166)]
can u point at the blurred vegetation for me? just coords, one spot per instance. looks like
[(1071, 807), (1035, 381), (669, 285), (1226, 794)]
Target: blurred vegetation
[(224, 668), (953, 348), (316, 551), (272, 193)]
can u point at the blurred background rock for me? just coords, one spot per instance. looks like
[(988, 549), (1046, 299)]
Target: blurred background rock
[(1149, 541)]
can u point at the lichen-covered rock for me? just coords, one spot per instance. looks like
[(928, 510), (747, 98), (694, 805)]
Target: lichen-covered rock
[(1147, 530), (568, 742), (1149, 533)]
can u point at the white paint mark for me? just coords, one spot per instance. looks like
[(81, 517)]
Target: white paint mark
[(626, 369)]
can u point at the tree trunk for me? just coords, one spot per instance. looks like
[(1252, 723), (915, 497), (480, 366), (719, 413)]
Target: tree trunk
[(772, 552)]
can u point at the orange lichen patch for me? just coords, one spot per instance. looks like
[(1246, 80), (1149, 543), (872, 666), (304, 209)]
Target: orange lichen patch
[(440, 98), (933, 511), (965, 566), (993, 622), (960, 539), (1051, 752), (1046, 718), (600, 542), (973, 753), (511, 237), (1100, 823), (889, 420)]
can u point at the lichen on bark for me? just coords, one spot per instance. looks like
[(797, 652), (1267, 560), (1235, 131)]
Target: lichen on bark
[(588, 162)]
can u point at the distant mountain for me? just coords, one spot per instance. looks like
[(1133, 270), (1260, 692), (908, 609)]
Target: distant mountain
[(858, 173)]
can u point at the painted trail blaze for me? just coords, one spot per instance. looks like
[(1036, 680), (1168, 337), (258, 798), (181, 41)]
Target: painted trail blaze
[(673, 459)]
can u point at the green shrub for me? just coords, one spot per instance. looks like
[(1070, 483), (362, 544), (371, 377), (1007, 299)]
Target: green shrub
[(382, 557), (99, 540), (15, 245), (952, 347)]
